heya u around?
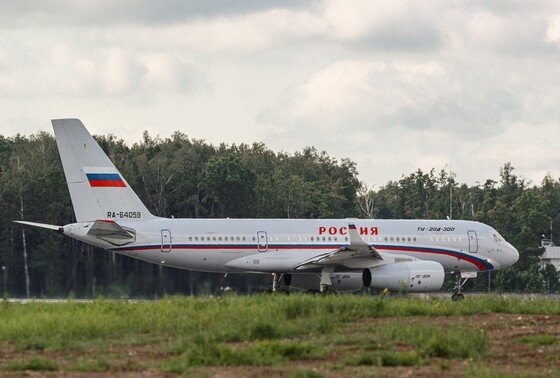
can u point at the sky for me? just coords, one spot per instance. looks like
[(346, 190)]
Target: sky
[(393, 85)]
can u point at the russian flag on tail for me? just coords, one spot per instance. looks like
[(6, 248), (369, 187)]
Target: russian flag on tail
[(107, 180)]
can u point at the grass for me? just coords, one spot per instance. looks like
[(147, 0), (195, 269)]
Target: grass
[(98, 365), (36, 363), (306, 373), (539, 339), (386, 358), (261, 330), (265, 353), (65, 326), (451, 341), (383, 346)]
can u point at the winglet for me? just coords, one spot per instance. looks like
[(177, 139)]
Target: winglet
[(355, 238), (358, 244)]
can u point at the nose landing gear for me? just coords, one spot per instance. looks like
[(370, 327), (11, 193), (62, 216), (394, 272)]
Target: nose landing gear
[(457, 290)]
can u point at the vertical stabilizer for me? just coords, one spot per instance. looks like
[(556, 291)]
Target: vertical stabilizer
[(97, 189)]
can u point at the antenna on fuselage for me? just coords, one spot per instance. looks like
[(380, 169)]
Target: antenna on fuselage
[(450, 216), (450, 195)]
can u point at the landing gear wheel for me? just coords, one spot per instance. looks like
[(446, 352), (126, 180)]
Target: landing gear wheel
[(457, 294), (457, 297)]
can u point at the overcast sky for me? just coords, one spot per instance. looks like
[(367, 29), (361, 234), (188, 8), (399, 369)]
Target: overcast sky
[(393, 85)]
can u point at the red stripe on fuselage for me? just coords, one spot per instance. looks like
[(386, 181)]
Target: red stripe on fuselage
[(473, 261), (462, 256)]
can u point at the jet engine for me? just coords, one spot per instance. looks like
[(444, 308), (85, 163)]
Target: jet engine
[(414, 276), (341, 281)]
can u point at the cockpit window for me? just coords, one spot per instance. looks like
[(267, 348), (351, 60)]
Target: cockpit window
[(497, 238)]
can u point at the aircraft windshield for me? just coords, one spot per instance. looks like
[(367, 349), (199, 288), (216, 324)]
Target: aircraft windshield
[(497, 237)]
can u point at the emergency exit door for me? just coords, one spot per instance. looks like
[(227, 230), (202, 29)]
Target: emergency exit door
[(166, 243), (262, 241)]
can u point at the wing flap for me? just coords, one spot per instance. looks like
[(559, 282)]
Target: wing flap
[(357, 249)]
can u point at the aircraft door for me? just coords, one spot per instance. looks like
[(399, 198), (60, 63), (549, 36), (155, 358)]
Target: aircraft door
[(473, 241), (262, 241), (166, 243)]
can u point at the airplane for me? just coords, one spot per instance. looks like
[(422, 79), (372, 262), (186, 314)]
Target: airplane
[(311, 254)]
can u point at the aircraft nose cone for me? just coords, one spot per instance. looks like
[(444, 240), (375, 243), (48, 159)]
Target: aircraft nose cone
[(513, 254)]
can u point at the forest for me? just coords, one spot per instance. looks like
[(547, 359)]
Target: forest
[(189, 178)]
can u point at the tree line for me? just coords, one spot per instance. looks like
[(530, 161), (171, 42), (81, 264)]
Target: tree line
[(189, 178)]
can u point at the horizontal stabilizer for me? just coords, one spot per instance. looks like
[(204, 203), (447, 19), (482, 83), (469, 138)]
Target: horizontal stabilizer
[(41, 225), (112, 232)]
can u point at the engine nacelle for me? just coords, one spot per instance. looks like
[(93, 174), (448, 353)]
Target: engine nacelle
[(341, 281), (414, 276)]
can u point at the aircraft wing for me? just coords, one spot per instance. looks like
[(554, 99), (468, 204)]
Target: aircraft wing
[(357, 249), (112, 232)]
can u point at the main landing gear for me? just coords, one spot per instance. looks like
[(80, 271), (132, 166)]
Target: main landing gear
[(274, 282), (457, 294)]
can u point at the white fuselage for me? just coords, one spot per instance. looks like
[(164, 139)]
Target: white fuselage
[(281, 245)]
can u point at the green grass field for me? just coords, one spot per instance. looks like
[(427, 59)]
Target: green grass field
[(279, 335)]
